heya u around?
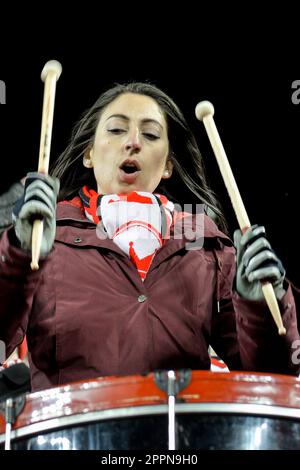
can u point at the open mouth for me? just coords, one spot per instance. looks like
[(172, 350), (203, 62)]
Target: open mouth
[(129, 171), (130, 167)]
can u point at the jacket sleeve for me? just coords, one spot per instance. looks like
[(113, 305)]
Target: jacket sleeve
[(261, 347), (18, 284), (244, 332), (7, 202)]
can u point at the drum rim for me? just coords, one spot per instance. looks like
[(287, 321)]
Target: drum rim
[(128, 412)]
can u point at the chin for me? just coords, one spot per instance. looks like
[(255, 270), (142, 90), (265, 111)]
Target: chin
[(126, 189), (129, 188)]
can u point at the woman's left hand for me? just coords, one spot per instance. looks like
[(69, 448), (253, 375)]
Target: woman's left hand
[(256, 262)]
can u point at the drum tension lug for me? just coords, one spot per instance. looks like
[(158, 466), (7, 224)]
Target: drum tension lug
[(13, 408), (183, 378)]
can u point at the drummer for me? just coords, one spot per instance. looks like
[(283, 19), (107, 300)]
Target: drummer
[(137, 270)]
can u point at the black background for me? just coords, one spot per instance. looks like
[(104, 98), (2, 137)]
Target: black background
[(250, 85)]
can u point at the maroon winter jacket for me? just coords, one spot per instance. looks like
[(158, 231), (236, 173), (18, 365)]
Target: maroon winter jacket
[(86, 312)]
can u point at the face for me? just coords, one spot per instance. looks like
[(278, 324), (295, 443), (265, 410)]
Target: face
[(131, 146)]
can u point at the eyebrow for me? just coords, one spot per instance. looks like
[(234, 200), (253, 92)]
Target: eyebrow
[(126, 118)]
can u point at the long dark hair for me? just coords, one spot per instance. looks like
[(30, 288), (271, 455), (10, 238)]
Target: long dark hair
[(188, 184)]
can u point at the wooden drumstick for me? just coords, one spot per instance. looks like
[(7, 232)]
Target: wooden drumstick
[(50, 74), (205, 112)]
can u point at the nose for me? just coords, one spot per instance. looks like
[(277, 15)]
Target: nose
[(133, 143)]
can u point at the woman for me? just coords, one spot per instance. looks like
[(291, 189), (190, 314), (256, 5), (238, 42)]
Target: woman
[(128, 283)]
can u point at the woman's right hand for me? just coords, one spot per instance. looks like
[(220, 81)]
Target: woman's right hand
[(37, 202)]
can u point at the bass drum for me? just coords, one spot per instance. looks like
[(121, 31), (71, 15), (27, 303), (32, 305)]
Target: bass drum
[(214, 411)]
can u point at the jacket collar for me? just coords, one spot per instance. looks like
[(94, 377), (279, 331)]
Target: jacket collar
[(73, 209), (188, 231)]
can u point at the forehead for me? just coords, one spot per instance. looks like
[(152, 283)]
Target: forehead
[(135, 106)]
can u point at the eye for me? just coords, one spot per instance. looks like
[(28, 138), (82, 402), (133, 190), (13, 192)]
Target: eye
[(116, 130), (150, 136)]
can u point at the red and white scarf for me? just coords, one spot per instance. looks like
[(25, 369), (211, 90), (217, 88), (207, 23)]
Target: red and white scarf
[(137, 222)]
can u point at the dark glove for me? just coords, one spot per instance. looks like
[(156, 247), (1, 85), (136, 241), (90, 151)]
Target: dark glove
[(38, 202), (256, 261)]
